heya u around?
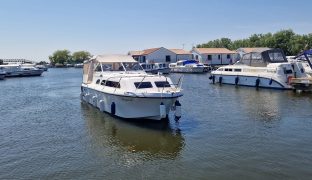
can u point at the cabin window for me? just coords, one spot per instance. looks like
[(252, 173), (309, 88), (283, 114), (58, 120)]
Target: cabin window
[(98, 81), (112, 84), (107, 67), (209, 57), (230, 69), (132, 66), (143, 85), (287, 71), (228, 56), (143, 66), (226, 69), (98, 68), (238, 70), (103, 82), (162, 84)]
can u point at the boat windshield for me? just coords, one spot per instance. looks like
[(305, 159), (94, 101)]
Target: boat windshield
[(132, 66)]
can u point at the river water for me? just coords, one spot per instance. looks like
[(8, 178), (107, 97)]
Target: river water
[(225, 133)]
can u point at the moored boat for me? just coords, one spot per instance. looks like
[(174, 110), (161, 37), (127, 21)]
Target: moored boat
[(156, 68), (266, 68), (118, 85), (19, 70), (188, 66)]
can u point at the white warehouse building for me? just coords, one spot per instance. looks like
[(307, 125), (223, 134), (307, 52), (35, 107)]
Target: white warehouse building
[(214, 56), (160, 55)]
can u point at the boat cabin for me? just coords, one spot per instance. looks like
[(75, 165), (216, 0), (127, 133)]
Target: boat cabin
[(110, 64), (262, 58)]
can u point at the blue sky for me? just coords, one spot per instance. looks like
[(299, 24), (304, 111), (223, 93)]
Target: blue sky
[(34, 29)]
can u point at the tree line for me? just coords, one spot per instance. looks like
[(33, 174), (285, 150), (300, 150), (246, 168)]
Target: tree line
[(65, 57), (290, 42)]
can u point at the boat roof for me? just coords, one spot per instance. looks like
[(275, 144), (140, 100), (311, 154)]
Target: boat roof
[(113, 58)]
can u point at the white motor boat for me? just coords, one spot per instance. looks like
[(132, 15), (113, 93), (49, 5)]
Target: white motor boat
[(267, 68), (118, 85), (19, 70), (156, 68), (188, 66)]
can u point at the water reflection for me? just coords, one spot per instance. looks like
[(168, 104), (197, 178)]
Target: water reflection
[(154, 139)]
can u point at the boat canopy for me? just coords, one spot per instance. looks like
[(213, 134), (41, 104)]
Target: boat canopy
[(263, 57), (184, 62), (307, 55), (110, 63), (113, 58)]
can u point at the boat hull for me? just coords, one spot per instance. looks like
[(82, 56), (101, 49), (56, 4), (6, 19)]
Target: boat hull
[(2, 76), (126, 106), (188, 69), (24, 73), (250, 81)]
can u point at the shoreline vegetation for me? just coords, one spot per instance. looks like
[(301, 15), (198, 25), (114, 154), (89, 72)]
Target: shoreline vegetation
[(290, 42), (64, 58)]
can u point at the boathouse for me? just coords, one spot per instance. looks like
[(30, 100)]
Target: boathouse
[(214, 56)]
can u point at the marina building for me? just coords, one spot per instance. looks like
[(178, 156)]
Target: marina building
[(160, 55), (214, 56)]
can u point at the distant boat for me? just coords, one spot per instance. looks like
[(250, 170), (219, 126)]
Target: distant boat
[(80, 65), (188, 66), (18, 70), (43, 67), (156, 68)]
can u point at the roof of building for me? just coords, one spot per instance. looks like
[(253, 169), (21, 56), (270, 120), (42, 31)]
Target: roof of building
[(180, 51), (214, 51), (253, 49), (114, 58), (135, 53), (149, 51)]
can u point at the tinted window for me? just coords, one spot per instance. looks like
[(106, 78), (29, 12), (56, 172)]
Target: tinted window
[(112, 84), (237, 70), (162, 84), (98, 81), (141, 85)]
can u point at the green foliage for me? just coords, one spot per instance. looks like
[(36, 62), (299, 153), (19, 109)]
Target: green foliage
[(80, 56), (62, 57), (287, 40)]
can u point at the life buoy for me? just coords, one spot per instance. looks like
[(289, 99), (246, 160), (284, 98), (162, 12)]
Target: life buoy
[(289, 78)]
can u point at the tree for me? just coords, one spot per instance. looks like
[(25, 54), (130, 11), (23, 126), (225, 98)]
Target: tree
[(80, 56), (60, 56), (286, 40)]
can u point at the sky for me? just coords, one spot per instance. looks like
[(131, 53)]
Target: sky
[(34, 29)]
